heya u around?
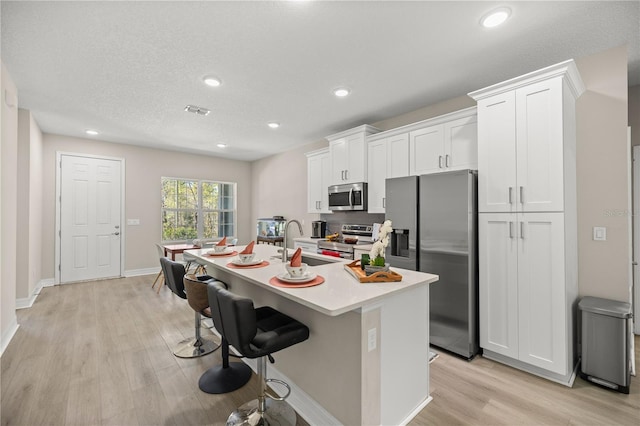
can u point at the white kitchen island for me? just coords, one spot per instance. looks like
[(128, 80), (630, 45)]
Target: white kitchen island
[(366, 359)]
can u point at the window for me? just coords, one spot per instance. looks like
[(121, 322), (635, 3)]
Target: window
[(197, 209)]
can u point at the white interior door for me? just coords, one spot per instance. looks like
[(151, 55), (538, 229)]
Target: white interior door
[(90, 213)]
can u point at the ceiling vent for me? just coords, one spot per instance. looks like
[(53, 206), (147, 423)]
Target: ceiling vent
[(197, 110)]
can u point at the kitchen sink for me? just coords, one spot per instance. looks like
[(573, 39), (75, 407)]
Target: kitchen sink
[(311, 260), (314, 261)]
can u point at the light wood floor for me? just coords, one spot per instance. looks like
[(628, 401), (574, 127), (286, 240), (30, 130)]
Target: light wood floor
[(99, 353)]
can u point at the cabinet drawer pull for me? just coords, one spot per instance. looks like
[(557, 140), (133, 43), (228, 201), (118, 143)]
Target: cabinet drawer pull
[(446, 160), (440, 161)]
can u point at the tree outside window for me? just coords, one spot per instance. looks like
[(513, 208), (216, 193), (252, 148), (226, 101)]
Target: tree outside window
[(197, 209)]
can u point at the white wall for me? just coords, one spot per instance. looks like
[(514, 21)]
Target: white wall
[(29, 242), (279, 188), (144, 169), (8, 211), (602, 175)]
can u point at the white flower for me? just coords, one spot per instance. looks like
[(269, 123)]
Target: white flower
[(383, 240)]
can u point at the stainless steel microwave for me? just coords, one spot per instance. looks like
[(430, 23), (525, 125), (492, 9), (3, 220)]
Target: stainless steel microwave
[(352, 196)]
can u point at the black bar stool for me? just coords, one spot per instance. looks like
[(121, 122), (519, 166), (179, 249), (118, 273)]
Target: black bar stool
[(257, 333), (228, 376), (193, 347)]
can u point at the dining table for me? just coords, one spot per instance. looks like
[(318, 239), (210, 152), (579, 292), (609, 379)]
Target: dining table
[(173, 249)]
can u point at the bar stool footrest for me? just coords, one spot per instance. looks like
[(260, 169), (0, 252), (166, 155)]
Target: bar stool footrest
[(277, 413)]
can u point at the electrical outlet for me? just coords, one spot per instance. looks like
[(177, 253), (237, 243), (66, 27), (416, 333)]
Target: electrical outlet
[(372, 339)]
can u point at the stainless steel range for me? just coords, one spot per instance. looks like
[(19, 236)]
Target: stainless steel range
[(352, 235)]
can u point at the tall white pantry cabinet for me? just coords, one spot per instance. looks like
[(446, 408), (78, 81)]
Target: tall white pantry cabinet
[(527, 224)]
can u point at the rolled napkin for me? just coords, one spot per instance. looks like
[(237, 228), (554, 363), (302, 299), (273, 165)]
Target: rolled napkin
[(296, 259), (222, 242), (248, 249)]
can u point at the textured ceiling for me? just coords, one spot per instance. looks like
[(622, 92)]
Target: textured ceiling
[(128, 69)]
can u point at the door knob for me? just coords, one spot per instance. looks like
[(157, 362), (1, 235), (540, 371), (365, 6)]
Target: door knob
[(116, 233)]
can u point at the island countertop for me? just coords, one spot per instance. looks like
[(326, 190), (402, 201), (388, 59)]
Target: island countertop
[(339, 293)]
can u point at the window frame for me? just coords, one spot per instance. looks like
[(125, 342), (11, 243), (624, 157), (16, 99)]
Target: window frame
[(199, 210)]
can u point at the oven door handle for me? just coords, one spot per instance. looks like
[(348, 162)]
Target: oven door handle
[(351, 197)]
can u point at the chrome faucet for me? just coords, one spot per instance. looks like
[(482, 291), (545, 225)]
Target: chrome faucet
[(284, 248)]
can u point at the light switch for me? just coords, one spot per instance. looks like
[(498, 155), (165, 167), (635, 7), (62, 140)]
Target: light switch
[(599, 233)]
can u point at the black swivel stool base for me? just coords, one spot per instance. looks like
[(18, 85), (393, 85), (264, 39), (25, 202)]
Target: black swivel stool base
[(226, 377)]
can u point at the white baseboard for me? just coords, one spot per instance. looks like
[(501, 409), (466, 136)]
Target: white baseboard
[(8, 334), (139, 272), (27, 302)]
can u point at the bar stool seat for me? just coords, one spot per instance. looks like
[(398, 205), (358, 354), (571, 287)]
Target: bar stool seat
[(257, 333)]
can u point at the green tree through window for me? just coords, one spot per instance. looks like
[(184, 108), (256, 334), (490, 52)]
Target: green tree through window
[(197, 209)]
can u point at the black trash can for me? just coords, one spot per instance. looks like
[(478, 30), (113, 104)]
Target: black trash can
[(606, 346)]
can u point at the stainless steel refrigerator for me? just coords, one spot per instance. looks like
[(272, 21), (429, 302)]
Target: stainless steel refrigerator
[(435, 230)]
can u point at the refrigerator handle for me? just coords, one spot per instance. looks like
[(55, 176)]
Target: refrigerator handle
[(511, 230)]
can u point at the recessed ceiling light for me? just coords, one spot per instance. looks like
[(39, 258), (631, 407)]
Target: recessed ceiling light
[(221, 145), (212, 81), (91, 132), (273, 125), (341, 92), (495, 17)]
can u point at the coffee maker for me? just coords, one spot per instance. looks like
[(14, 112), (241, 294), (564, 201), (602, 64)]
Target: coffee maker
[(318, 229)]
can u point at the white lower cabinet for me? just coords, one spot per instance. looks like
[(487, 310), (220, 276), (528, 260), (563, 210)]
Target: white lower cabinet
[(524, 314)]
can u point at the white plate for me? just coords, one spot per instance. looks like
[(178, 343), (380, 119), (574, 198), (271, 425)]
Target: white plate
[(212, 252), (239, 262), (309, 276)]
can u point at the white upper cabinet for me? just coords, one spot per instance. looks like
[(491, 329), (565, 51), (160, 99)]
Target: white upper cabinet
[(387, 158), (523, 153), (461, 143), (348, 151), (427, 150), (318, 178), (377, 169), (398, 155), (444, 143)]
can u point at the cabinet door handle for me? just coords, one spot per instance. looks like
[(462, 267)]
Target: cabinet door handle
[(522, 195), (346, 175), (522, 230), (341, 174), (511, 195), (440, 161), (446, 160), (384, 202), (511, 230)]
